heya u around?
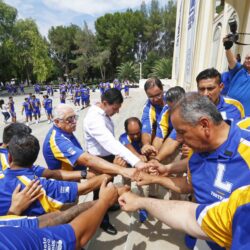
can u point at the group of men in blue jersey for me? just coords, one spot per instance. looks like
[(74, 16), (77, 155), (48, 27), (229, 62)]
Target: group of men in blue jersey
[(32, 107), (103, 86), (211, 130)]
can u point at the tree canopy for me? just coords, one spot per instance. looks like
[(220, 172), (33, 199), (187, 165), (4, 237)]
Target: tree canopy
[(121, 41)]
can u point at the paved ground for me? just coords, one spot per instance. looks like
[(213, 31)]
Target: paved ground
[(132, 234)]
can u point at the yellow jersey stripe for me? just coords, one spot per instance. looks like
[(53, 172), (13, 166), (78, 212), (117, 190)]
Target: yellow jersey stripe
[(237, 104), (65, 163), (4, 162), (152, 116), (164, 125), (245, 123), (244, 150), (48, 204), (216, 219)]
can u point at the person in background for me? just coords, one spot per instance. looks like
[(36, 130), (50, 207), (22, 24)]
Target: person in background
[(12, 109), (4, 110), (27, 107), (47, 104)]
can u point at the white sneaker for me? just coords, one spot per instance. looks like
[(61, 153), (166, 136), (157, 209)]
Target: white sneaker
[(37, 121), (49, 121), (27, 124)]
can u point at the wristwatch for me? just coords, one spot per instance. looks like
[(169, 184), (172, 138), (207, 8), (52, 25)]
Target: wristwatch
[(83, 174)]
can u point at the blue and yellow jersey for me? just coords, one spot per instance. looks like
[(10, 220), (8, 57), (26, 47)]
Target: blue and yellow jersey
[(149, 117), (244, 123), (164, 124), (27, 107), (85, 92), (57, 237), (55, 193), (47, 104), (36, 103), (125, 140), (230, 109), (215, 175), (4, 164), (19, 221), (227, 222), (61, 150)]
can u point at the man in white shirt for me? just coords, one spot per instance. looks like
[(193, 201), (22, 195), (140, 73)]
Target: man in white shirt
[(99, 130), (99, 134)]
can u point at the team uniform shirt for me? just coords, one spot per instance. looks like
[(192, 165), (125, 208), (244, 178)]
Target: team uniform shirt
[(244, 123), (149, 117), (47, 103), (12, 109), (55, 193), (61, 150), (63, 97), (19, 221), (57, 238), (102, 87), (230, 109), (239, 87), (77, 95), (164, 124), (27, 108), (36, 106), (215, 175), (125, 140), (85, 95), (227, 222)]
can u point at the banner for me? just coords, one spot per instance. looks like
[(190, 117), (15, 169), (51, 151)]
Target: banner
[(192, 25), (177, 39)]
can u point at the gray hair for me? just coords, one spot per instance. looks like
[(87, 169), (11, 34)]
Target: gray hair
[(61, 110), (193, 106)]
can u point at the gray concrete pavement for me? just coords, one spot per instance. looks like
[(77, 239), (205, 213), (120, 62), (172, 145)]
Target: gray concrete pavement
[(132, 235)]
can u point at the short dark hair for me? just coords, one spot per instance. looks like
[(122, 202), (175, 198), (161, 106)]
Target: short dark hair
[(15, 129), (151, 82), (24, 150), (132, 119), (174, 94), (112, 96), (209, 73)]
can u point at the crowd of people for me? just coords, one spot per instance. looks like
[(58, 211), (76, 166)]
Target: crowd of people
[(194, 143)]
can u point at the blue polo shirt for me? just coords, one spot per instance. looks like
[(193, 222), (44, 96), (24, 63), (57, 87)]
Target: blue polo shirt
[(149, 117), (4, 164), (227, 222), (19, 221), (215, 175), (57, 237), (55, 193), (230, 109), (61, 150), (125, 140), (239, 87), (164, 124)]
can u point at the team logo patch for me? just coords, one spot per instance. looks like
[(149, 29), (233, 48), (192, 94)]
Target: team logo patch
[(71, 151)]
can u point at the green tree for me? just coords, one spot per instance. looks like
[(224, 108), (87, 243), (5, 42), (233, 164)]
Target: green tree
[(162, 68), (128, 71), (31, 53), (62, 44)]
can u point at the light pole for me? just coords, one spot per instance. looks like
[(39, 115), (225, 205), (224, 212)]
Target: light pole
[(140, 70)]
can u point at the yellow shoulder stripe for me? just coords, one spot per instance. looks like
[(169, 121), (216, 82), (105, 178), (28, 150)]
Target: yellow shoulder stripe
[(66, 164), (237, 104), (48, 204), (244, 150)]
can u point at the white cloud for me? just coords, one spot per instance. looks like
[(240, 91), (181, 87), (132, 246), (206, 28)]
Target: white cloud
[(93, 7)]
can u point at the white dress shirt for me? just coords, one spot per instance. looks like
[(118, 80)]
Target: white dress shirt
[(100, 139)]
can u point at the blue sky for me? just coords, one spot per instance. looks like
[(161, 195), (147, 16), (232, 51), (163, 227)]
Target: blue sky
[(49, 13)]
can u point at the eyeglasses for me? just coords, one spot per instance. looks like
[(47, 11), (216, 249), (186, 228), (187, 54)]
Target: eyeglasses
[(70, 119), (158, 96)]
